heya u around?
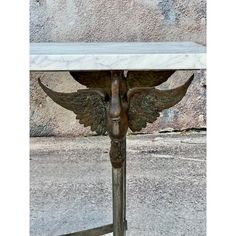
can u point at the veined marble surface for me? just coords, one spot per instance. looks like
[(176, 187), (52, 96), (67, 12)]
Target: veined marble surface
[(117, 56)]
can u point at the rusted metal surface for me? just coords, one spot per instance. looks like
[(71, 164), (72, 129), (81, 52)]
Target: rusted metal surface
[(111, 104)]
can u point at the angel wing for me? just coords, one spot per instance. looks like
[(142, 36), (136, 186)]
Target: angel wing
[(94, 79), (147, 78), (87, 104), (146, 103), (102, 79)]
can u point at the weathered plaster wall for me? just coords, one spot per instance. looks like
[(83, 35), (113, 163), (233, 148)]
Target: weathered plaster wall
[(115, 20)]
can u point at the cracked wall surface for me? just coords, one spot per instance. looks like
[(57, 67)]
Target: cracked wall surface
[(113, 20)]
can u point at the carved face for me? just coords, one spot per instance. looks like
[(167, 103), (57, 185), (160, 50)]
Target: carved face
[(117, 118)]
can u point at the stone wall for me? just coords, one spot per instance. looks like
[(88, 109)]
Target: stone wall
[(115, 20)]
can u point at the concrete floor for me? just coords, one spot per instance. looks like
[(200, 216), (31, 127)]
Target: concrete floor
[(166, 188)]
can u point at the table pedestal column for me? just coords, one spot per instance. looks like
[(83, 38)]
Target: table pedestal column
[(118, 160), (113, 103)]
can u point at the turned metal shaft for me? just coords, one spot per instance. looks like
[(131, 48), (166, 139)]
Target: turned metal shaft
[(117, 120), (118, 201), (118, 187), (124, 193)]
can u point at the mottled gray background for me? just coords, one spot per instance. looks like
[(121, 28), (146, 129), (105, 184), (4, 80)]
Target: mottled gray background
[(113, 20)]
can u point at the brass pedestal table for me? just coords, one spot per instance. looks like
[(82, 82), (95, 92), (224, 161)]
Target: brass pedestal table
[(121, 94)]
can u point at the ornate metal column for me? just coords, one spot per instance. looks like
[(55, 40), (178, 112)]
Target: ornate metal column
[(111, 104)]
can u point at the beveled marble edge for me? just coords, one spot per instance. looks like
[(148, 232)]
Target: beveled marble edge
[(42, 60), (115, 48)]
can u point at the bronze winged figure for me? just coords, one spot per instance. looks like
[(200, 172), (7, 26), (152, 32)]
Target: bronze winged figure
[(113, 102)]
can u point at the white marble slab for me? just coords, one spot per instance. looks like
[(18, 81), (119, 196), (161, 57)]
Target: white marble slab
[(117, 56)]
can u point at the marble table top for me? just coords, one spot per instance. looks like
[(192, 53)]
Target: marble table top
[(117, 56)]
